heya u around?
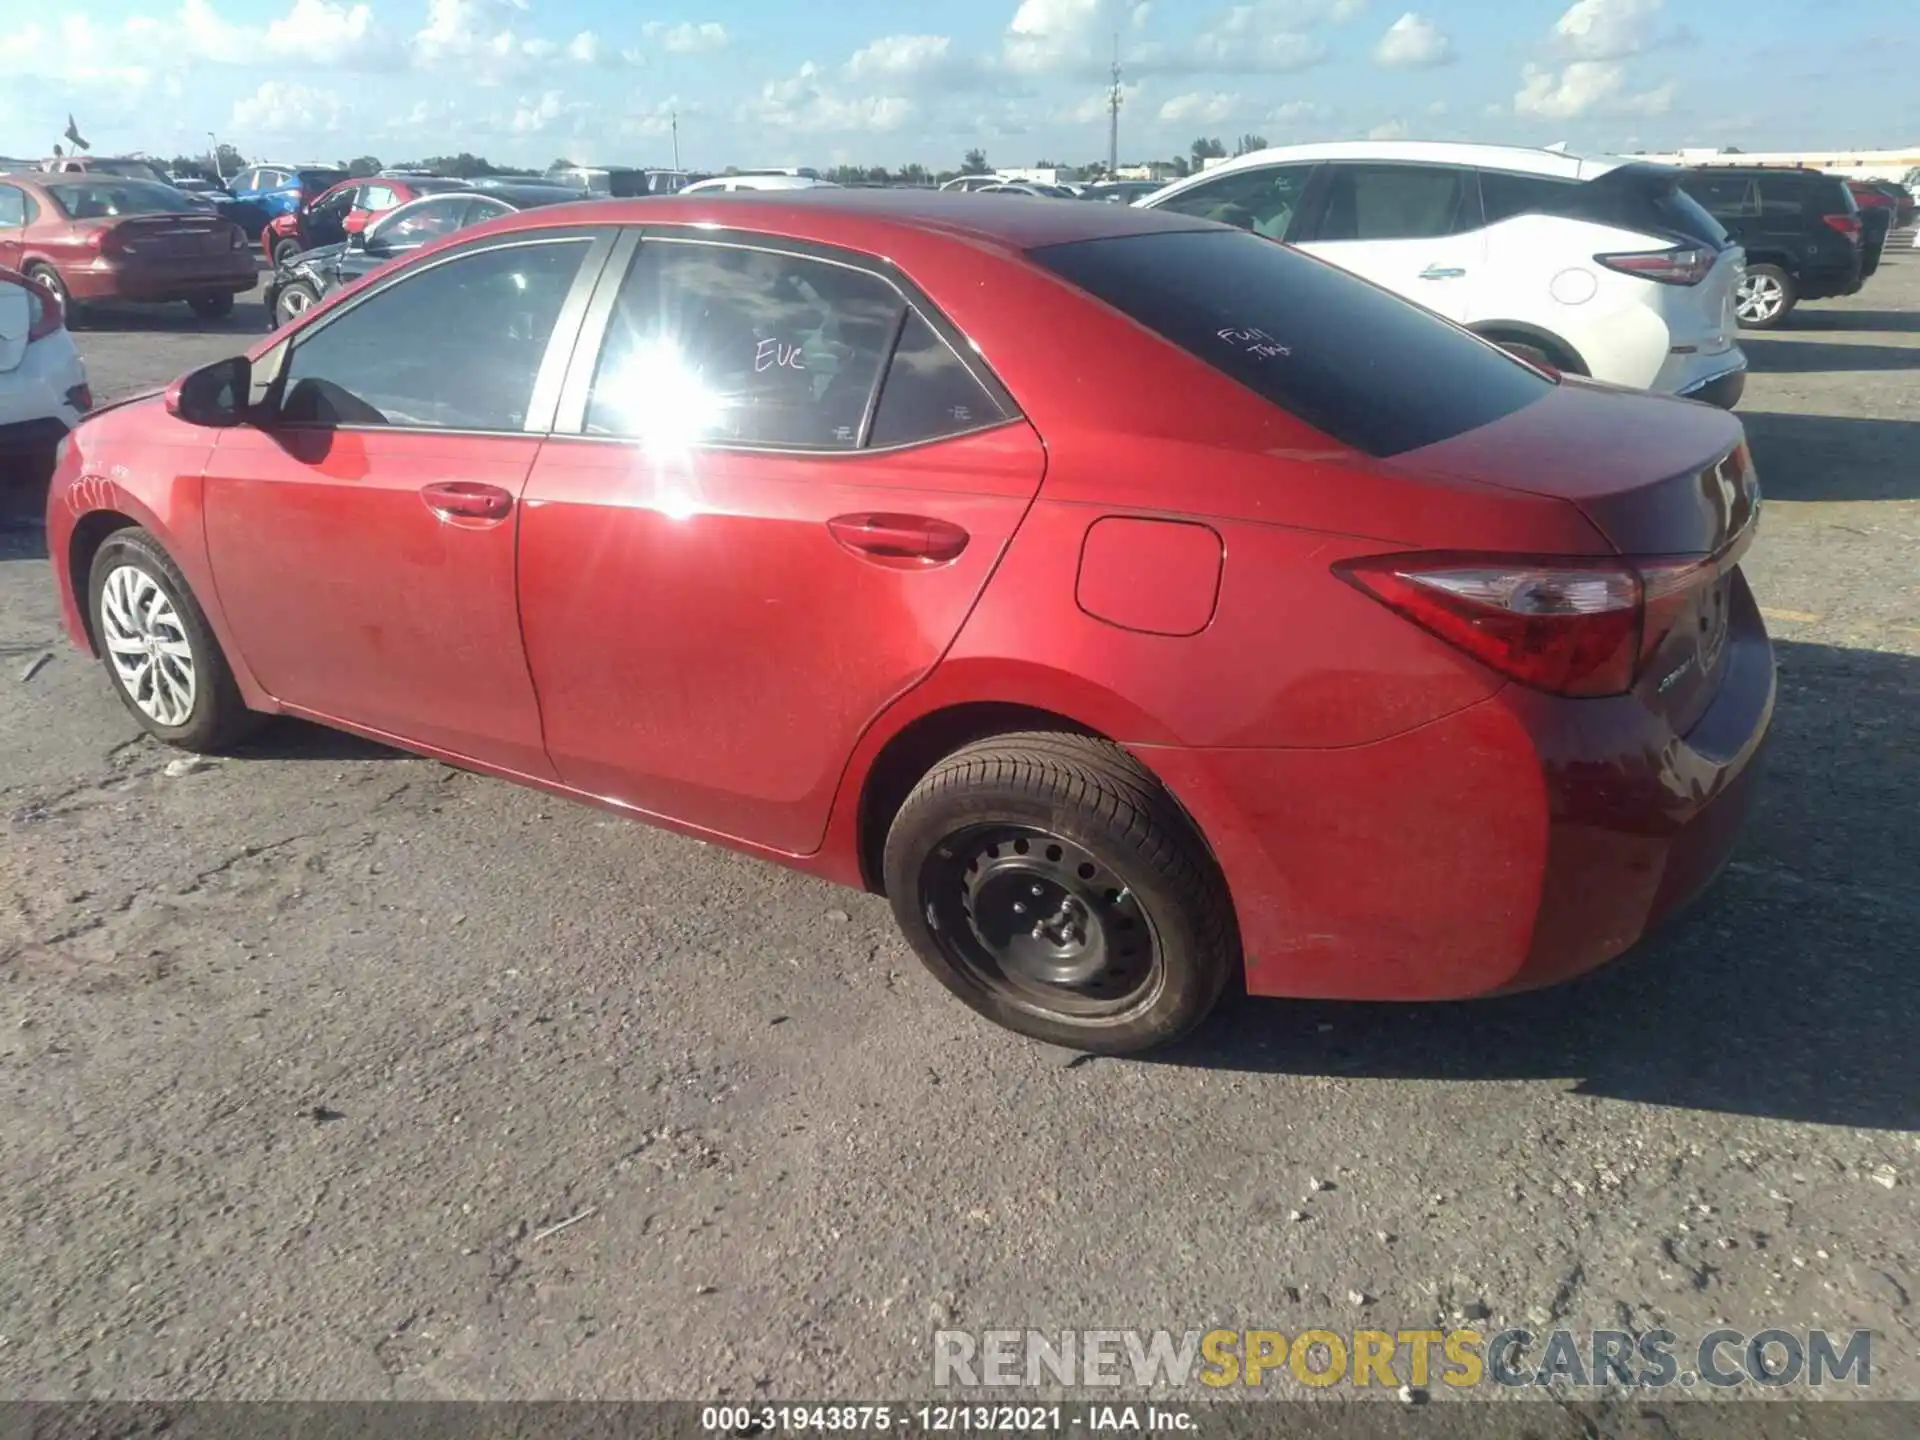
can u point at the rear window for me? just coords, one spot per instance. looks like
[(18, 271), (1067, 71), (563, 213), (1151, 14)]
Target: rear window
[(314, 181), (130, 169), (1649, 198), (1356, 362), (107, 198)]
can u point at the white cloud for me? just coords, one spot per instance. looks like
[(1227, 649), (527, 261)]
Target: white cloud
[(585, 48), (1202, 108), (1298, 112), (898, 55), (806, 104), (1389, 130), (687, 38), (1611, 30), (1413, 42), (284, 107), (1065, 36), (1586, 87)]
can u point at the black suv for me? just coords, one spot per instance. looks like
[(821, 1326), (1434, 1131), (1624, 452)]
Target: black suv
[(1801, 230)]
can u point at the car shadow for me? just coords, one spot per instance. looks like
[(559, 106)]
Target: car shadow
[(1788, 992), (1897, 321), (1833, 457), (248, 317), (285, 738), (1820, 357), (23, 509)]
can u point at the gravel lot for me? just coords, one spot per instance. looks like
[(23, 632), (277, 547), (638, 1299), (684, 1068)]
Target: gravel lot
[(300, 1053)]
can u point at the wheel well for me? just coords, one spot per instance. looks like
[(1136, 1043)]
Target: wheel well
[(88, 536), (918, 748), (1563, 355)]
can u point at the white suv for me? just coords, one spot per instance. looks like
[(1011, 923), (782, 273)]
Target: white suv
[(1601, 267), (43, 382)]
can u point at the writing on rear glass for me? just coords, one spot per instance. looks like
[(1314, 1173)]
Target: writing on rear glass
[(1257, 343)]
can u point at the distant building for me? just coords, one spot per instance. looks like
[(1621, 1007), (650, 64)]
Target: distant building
[(1855, 164), (1152, 170)]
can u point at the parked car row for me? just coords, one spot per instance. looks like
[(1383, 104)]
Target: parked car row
[(304, 277), (959, 548)]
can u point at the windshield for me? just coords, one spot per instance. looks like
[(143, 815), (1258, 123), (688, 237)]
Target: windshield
[(131, 169), (1356, 362), (89, 199)]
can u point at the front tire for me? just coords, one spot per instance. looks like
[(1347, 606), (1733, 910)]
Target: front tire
[(167, 667), (1765, 298), (212, 307), (1049, 882)]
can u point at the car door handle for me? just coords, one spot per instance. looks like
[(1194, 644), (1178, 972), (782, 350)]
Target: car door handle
[(1442, 272), (467, 500), (910, 538)]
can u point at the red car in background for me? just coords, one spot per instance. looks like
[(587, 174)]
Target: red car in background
[(95, 236), (1884, 195), (1139, 604), (342, 210)]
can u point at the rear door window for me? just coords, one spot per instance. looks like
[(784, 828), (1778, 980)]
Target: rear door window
[(13, 207), (1358, 363), (1505, 194), (1397, 202), (1265, 201), (1725, 197), (727, 345), (929, 392)]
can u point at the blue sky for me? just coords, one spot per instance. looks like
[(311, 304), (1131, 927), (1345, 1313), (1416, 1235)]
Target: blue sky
[(756, 82)]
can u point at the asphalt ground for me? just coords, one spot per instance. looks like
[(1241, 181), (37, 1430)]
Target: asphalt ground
[(305, 1054)]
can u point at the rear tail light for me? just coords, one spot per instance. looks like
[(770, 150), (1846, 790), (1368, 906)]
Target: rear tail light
[(1847, 225), (1566, 625), (1686, 266), (111, 240)]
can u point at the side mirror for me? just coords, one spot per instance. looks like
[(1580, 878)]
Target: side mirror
[(215, 395)]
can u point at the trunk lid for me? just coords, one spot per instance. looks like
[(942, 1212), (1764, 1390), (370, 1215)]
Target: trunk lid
[(170, 237), (1669, 483)]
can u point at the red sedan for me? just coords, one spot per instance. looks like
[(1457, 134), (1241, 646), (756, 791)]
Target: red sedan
[(1138, 603), (96, 236)]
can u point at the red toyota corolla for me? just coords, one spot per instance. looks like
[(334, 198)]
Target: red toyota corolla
[(1135, 601)]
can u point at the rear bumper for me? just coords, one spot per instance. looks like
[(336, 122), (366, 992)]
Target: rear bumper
[(1516, 843), (1723, 388), (232, 274)]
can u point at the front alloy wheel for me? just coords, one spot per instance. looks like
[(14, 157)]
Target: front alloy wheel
[(147, 645), (167, 666)]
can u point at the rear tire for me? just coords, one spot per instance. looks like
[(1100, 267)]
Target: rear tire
[(162, 657), (50, 277), (1049, 882), (211, 307), (293, 301), (1765, 298)]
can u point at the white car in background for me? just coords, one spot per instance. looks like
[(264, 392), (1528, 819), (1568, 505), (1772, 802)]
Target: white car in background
[(1599, 267), (43, 381), (757, 182)]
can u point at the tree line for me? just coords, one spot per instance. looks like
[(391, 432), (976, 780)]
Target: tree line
[(228, 161)]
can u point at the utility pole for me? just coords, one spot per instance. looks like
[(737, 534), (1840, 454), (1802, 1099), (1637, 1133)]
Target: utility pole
[(674, 118), (1113, 115)]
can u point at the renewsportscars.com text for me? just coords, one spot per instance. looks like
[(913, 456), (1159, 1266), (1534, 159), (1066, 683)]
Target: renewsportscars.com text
[(1458, 1359)]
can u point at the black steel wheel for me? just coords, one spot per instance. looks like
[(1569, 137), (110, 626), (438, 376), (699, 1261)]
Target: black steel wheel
[(1049, 882)]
